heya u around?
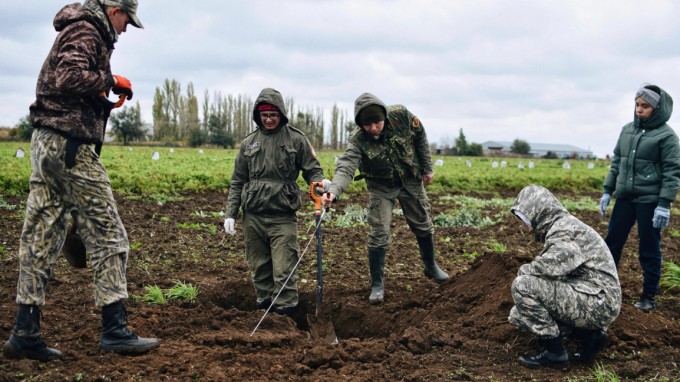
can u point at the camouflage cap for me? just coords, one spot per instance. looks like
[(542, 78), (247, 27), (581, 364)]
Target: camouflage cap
[(129, 7)]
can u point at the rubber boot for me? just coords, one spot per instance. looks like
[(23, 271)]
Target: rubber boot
[(25, 341), (554, 355), (426, 244), (115, 335), (376, 262), (590, 343)]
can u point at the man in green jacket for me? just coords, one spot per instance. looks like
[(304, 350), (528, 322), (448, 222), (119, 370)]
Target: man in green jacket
[(264, 185), (645, 178), (392, 153)]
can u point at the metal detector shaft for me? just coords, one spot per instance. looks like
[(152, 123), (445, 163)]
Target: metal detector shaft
[(319, 264)]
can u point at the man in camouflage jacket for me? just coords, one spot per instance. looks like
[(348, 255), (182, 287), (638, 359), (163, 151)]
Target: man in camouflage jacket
[(264, 185), (69, 118), (392, 153), (572, 286)]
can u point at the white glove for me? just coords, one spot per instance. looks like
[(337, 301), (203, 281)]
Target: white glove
[(604, 202), (229, 225), (661, 217), (326, 187)]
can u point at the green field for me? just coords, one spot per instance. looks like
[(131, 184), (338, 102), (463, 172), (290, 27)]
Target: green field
[(186, 170)]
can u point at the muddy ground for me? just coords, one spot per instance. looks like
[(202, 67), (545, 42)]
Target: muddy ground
[(457, 331)]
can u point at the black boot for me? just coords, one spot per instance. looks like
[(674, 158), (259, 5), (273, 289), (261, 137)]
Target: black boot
[(426, 244), (646, 302), (376, 262), (115, 335), (25, 341), (590, 343), (554, 355)]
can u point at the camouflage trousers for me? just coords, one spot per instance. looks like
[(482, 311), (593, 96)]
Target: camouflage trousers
[(413, 201), (55, 192), (272, 252), (544, 306)]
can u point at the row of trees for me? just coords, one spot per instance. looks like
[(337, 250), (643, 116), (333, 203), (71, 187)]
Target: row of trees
[(224, 120)]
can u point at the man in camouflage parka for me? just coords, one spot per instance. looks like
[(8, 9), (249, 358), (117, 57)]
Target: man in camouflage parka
[(571, 286), (264, 185), (392, 153), (69, 118)]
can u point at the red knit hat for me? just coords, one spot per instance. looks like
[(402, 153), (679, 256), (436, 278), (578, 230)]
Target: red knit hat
[(267, 107)]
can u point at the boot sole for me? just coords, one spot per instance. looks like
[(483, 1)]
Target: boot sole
[(129, 349), (428, 275), (11, 353), (556, 366)]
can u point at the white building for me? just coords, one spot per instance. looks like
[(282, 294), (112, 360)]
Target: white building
[(538, 149)]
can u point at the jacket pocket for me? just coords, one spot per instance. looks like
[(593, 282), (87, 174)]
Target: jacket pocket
[(646, 173), (587, 288)]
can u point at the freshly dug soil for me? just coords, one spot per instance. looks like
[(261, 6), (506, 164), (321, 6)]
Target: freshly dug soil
[(457, 331)]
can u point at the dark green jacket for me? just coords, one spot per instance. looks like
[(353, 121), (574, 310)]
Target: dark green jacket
[(402, 151), (268, 164), (646, 163)]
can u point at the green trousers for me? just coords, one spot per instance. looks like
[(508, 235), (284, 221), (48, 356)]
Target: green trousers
[(272, 252)]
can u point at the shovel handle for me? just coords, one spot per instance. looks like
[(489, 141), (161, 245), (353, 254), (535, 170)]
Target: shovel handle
[(316, 198), (113, 105)]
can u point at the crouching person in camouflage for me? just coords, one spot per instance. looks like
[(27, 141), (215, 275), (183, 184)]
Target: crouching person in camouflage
[(570, 289), (69, 118)]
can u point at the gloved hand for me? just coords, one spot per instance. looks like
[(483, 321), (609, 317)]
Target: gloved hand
[(229, 226), (604, 202), (661, 217), (326, 187), (122, 85)]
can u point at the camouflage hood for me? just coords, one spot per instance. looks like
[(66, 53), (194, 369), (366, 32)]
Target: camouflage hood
[(660, 116), (364, 100), (272, 97), (541, 208), (90, 11)]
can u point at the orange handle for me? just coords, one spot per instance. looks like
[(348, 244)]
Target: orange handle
[(117, 104), (316, 198)]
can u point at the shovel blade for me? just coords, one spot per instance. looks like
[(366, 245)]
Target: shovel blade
[(74, 250), (321, 330)]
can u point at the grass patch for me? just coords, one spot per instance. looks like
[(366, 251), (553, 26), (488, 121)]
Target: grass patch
[(354, 216), (182, 291), (602, 374), (670, 279), (154, 295), (466, 217)]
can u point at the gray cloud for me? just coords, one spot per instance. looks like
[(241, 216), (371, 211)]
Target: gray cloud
[(553, 72)]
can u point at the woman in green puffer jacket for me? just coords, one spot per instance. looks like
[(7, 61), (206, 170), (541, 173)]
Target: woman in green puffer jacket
[(644, 178)]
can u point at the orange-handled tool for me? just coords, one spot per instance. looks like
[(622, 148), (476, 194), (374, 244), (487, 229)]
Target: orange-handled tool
[(112, 105)]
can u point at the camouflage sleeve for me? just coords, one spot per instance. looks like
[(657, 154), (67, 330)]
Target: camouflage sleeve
[(308, 162), (75, 60), (347, 164), (610, 181), (422, 145), (560, 257), (238, 178)]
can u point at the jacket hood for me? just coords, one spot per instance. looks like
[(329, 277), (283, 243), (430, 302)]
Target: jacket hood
[(272, 97), (92, 12), (540, 206), (364, 100), (659, 116)]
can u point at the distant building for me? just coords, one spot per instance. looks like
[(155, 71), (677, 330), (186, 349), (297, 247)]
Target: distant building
[(538, 149)]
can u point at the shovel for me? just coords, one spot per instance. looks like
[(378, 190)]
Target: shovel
[(321, 330), (74, 249)]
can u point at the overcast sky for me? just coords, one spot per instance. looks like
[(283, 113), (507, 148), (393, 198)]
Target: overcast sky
[(543, 71)]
